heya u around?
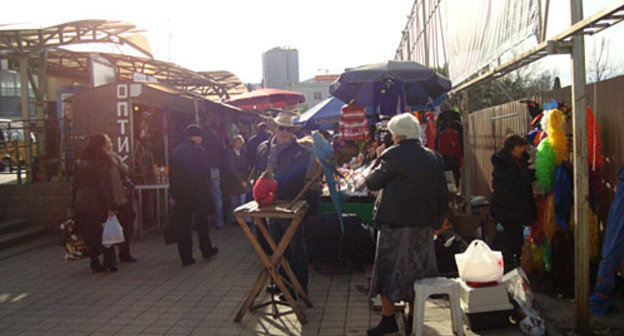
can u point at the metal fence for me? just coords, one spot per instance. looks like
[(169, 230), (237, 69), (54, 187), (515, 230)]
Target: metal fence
[(17, 154), (487, 129)]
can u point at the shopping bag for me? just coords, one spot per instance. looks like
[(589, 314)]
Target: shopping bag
[(479, 264), (112, 232), (75, 246)]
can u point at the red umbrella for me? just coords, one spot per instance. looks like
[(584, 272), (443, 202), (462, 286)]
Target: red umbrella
[(262, 99)]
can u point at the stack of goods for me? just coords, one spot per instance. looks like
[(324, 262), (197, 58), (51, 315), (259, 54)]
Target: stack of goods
[(352, 124)]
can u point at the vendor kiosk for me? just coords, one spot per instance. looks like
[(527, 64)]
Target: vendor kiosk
[(144, 121)]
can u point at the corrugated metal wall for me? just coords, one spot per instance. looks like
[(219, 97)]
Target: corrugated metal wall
[(488, 128)]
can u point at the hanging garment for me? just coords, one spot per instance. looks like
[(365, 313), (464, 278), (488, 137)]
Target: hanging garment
[(389, 96), (563, 196), (601, 301), (430, 131), (352, 124)]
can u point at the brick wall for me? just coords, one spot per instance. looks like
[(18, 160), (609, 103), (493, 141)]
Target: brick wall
[(44, 203)]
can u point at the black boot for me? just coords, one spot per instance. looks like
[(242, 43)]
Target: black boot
[(387, 325), (96, 267)]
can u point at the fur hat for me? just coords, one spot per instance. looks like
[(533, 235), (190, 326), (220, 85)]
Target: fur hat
[(192, 130)]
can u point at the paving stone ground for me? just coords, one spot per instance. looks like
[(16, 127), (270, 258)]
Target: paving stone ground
[(41, 294)]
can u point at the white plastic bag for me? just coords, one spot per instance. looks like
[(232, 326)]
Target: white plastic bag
[(112, 232), (479, 264)]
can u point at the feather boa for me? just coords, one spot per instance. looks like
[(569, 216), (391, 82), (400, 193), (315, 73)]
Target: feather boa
[(556, 134), (545, 166), (594, 145)]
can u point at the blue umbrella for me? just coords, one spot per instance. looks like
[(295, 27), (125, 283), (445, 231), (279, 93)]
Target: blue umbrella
[(365, 83), (601, 301)]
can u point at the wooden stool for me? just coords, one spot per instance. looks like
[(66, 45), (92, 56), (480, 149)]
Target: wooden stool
[(295, 214)]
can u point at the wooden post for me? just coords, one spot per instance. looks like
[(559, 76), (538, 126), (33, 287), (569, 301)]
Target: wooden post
[(23, 65), (581, 185), (468, 153)]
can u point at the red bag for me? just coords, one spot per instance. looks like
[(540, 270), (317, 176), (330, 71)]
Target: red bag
[(264, 191)]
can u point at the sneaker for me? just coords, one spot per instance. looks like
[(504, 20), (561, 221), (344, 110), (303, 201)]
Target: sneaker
[(188, 262), (387, 325), (210, 253)]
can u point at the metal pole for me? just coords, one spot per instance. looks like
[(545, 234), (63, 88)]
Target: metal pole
[(581, 186), (425, 41), (23, 63)]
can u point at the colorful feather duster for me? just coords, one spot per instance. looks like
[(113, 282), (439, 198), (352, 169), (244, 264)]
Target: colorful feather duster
[(594, 145), (550, 225), (556, 134), (545, 166)]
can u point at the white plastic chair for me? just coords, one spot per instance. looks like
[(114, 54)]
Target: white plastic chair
[(430, 286)]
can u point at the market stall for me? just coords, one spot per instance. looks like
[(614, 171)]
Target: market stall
[(144, 121)]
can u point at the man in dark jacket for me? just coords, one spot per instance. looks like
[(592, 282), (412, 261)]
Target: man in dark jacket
[(289, 162), (255, 141), (189, 185), (512, 200), (216, 159)]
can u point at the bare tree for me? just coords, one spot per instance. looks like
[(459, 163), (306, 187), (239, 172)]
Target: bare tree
[(599, 65)]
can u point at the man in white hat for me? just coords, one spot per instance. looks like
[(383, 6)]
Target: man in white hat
[(289, 161)]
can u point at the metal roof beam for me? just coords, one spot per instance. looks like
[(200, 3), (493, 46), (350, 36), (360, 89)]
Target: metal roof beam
[(558, 44)]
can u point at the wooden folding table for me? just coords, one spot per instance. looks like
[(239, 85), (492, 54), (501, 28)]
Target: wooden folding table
[(279, 211)]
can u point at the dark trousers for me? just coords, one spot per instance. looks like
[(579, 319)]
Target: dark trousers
[(297, 251), (90, 227), (510, 243), (126, 218), (184, 215)]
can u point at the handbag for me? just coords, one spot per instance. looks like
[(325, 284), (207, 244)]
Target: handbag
[(112, 232), (75, 246)]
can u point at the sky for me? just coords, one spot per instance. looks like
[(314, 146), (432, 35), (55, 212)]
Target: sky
[(331, 35)]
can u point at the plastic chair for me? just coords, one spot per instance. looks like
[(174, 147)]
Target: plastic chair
[(430, 286)]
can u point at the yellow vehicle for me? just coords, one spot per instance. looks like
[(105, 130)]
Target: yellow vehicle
[(12, 147)]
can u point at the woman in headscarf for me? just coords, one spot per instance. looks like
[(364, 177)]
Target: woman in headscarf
[(412, 201)]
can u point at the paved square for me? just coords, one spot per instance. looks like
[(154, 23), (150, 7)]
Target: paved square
[(41, 294)]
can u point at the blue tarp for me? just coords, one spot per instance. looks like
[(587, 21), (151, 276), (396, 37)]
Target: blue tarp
[(325, 114), (322, 115), (601, 301)]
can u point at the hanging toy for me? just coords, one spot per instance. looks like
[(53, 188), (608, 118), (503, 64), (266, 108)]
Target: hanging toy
[(556, 124), (545, 166)]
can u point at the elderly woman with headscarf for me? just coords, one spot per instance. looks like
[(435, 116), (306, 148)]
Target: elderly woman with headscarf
[(412, 201)]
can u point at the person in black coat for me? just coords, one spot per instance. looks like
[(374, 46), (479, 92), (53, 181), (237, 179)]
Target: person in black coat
[(261, 136), (412, 202), (289, 162), (94, 200), (236, 174), (189, 186), (512, 203)]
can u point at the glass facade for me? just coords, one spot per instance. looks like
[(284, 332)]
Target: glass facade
[(10, 101)]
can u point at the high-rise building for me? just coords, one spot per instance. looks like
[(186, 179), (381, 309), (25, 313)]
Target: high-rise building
[(280, 66)]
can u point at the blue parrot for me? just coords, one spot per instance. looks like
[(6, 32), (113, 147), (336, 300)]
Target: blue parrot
[(324, 153)]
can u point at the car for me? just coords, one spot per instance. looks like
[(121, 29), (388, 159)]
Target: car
[(12, 146)]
